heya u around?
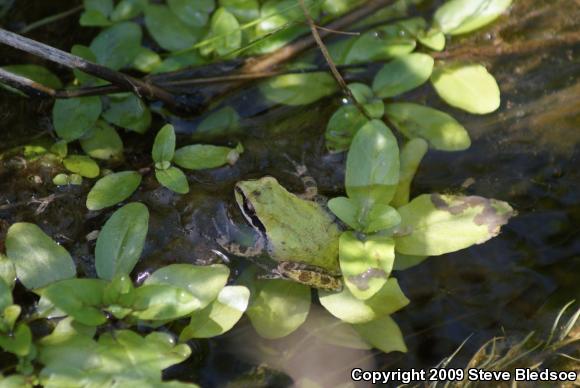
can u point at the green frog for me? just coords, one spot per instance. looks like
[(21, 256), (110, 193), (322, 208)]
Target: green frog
[(298, 234)]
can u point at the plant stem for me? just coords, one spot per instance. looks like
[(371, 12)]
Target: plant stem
[(50, 19)]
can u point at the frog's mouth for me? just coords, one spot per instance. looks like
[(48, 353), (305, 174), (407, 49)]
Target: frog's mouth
[(248, 211)]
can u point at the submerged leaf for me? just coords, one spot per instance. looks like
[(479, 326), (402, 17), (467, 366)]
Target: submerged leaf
[(383, 333), (73, 117), (128, 111), (103, 142), (168, 30), (278, 307), (202, 156), (298, 89), (345, 306), (117, 46)]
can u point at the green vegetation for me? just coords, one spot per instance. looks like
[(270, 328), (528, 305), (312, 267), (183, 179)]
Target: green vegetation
[(93, 340)]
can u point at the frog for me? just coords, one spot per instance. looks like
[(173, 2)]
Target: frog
[(297, 234)]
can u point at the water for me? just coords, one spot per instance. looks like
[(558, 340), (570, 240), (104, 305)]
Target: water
[(526, 153)]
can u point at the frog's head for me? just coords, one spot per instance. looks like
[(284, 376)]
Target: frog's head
[(256, 197)]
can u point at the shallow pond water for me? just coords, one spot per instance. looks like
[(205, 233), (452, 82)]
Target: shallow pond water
[(527, 153)]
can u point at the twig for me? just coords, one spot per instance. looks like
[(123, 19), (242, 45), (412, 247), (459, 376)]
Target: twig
[(335, 73), (25, 85), (50, 19), (71, 61), (532, 46)]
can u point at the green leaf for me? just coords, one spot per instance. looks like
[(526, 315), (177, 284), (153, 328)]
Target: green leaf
[(80, 298), (121, 241), (120, 358), (203, 282), (411, 156), (224, 121), (417, 26), (147, 60), (60, 149), (67, 329), (345, 306), (119, 294), (364, 96), (164, 145), (112, 189), (342, 126), (365, 265), (379, 44), (243, 10), (7, 271), (436, 224), (162, 302), (380, 217), (220, 316), (192, 12), (403, 261), (96, 13), (118, 45), (85, 53), (383, 333), (168, 30), (92, 18), (467, 86), (278, 307), (103, 142), (38, 259), (19, 342), (5, 296), (403, 74), (462, 16), (128, 111), (36, 73), (180, 61), (82, 165), (201, 156), (74, 116), (174, 179), (225, 33), (441, 130), (61, 180), (128, 9), (346, 210), (298, 89), (372, 166), (75, 179)]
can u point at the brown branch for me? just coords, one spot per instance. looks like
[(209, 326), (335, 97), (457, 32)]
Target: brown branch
[(532, 46), (288, 52), (25, 85), (335, 73), (124, 81)]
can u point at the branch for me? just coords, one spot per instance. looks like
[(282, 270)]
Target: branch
[(328, 59), (124, 81)]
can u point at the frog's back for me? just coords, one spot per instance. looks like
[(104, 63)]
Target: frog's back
[(305, 232)]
